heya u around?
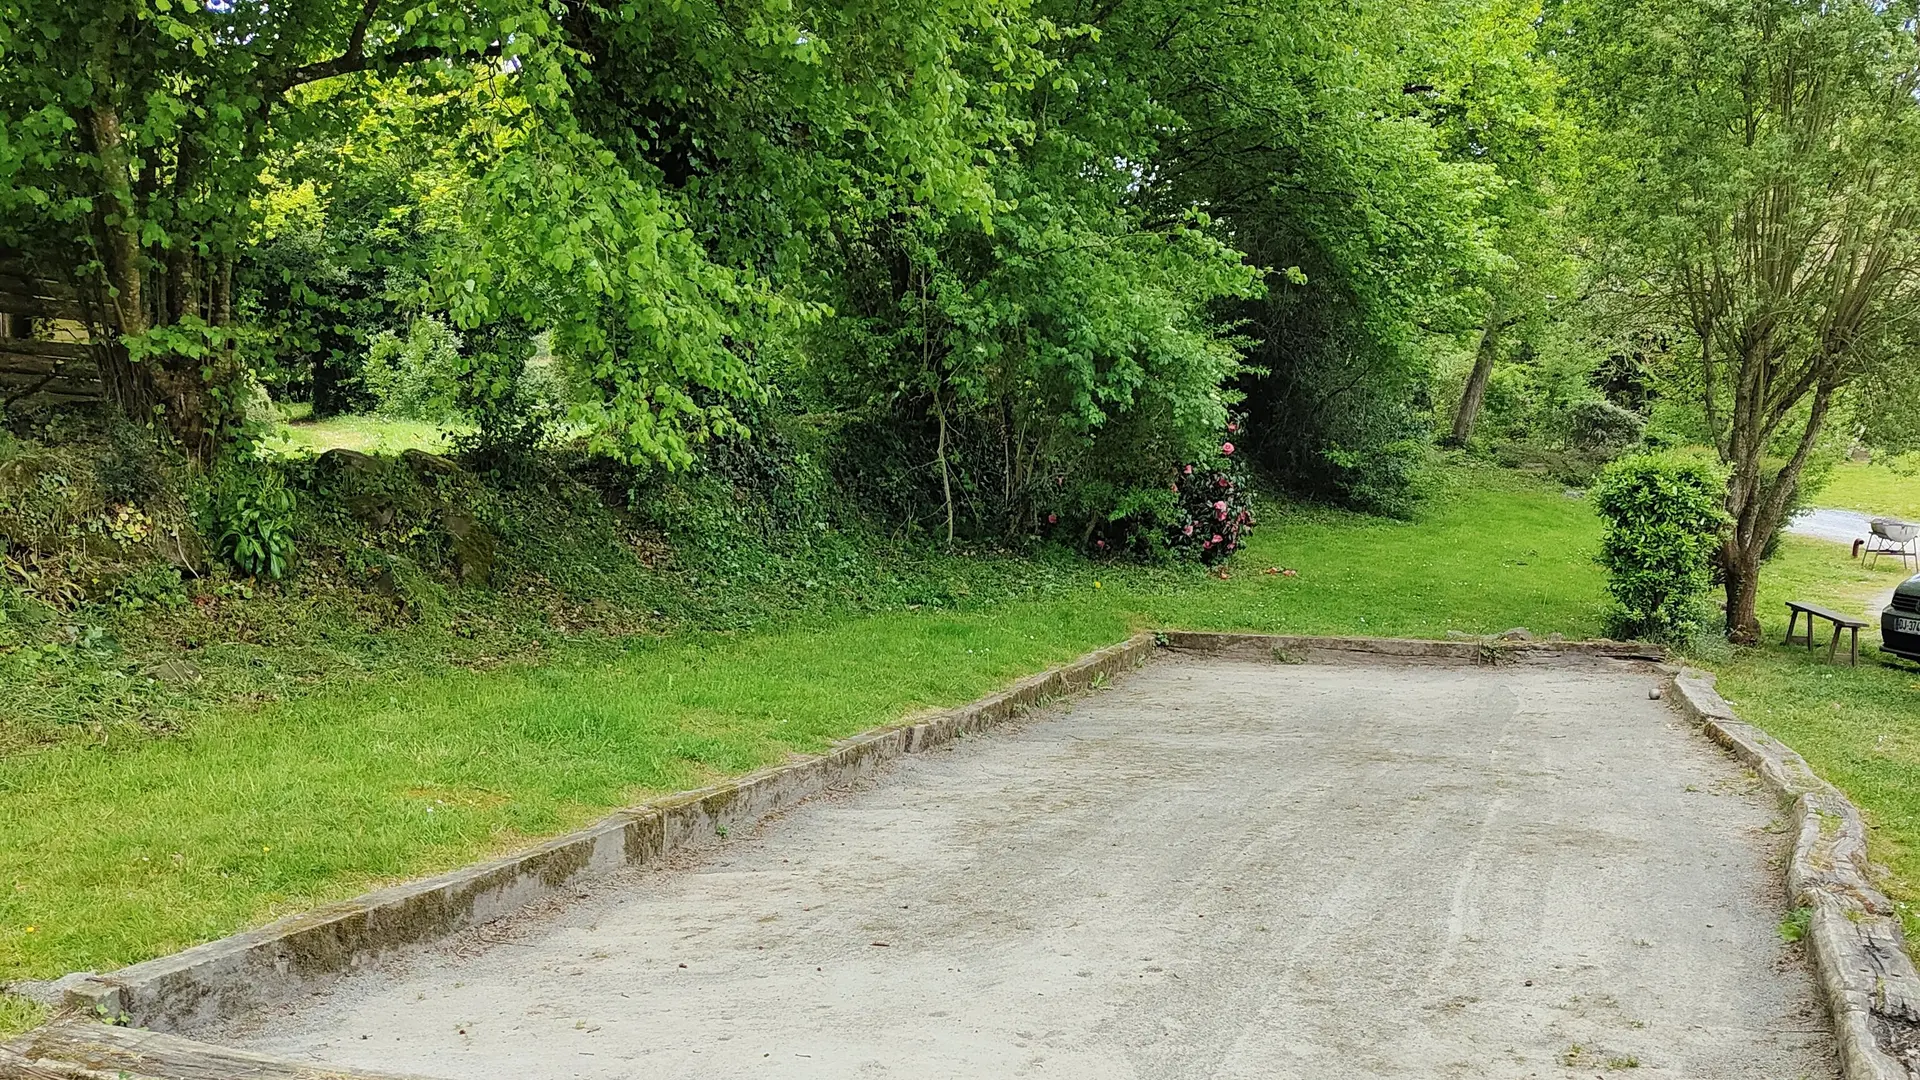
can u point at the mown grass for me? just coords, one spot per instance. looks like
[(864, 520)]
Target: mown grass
[(1854, 725), (111, 855), (18, 1014), (1890, 487), (368, 434), (118, 854)]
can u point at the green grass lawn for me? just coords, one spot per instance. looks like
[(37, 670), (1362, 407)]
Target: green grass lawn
[(1855, 725), (367, 434), (117, 855), (149, 845), (1889, 488)]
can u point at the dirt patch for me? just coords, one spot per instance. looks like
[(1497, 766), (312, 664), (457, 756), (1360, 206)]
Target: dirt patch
[(1217, 869)]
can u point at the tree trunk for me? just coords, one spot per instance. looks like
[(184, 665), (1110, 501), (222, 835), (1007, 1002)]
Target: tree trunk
[(1741, 564), (122, 305), (118, 225), (1758, 506), (180, 386), (1475, 393), (946, 474)]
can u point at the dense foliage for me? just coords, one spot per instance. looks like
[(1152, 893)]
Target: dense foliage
[(1747, 186), (1021, 259), (1006, 268), (1663, 524)]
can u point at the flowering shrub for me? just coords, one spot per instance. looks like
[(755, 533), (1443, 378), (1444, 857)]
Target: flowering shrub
[(1204, 511), (1216, 506)]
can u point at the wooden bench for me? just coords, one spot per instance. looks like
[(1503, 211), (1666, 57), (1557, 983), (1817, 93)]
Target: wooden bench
[(1840, 622)]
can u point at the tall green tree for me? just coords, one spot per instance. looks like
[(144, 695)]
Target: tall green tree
[(1313, 133), (132, 138), (134, 135), (1751, 164), (1493, 93)]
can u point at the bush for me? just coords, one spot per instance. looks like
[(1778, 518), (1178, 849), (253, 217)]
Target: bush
[(249, 515), (1601, 427), (1384, 478), (417, 376), (1663, 521), (1216, 507), (1203, 512)]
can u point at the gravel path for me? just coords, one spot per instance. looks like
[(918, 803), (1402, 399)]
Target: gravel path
[(1215, 869)]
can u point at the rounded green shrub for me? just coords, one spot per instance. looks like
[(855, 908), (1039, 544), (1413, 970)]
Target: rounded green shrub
[(1663, 519)]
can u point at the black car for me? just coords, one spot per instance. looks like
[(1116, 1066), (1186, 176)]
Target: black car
[(1900, 622)]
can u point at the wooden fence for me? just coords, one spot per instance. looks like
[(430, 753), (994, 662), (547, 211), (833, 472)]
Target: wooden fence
[(44, 350)]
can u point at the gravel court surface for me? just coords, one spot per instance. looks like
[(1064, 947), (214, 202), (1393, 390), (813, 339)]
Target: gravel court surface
[(1213, 869)]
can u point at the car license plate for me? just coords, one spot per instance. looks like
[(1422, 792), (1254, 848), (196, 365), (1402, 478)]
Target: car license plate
[(1907, 626)]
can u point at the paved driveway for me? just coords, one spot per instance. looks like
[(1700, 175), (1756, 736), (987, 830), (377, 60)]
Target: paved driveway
[(1214, 869)]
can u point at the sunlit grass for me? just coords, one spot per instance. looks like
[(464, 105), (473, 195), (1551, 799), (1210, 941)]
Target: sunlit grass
[(114, 856), (1890, 488), (367, 434), (1854, 725)]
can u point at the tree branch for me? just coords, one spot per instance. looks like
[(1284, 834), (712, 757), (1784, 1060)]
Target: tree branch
[(347, 65), (354, 57), (357, 41)]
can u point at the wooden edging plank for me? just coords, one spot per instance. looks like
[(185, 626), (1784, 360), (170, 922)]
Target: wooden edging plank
[(26, 351), (1484, 650), (85, 1050)]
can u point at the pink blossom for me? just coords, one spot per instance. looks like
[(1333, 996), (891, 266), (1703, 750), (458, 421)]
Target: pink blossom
[(1188, 531), (1216, 538), (1222, 482), (1233, 428), (1226, 448), (1053, 519), (1100, 543), (1175, 488), (1219, 515), (1221, 505), (1188, 470)]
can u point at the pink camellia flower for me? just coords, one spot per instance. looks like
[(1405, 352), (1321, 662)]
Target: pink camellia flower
[(1226, 448), (1219, 515), (1216, 538), (1188, 471), (1233, 429), (1173, 487), (1222, 482), (1100, 543), (1188, 531), (1221, 505), (1053, 519)]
